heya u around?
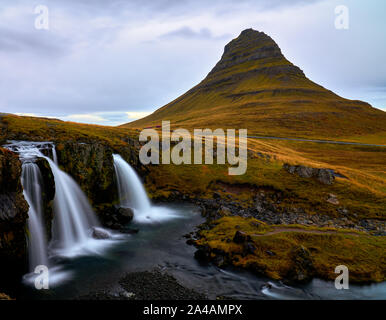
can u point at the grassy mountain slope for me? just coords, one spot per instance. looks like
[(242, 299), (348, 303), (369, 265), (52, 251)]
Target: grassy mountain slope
[(254, 86)]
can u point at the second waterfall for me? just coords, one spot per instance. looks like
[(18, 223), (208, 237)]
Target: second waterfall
[(132, 195)]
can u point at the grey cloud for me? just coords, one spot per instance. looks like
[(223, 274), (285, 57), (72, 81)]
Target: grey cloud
[(39, 42), (188, 33)]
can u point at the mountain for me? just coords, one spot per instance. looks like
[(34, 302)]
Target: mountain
[(254, 86)]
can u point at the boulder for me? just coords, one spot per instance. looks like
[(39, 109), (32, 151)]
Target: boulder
[(100, 234), (326, 176), (303, 268), (305, 172), (203, 254), (249, 247), (124, 215), (241, 237)]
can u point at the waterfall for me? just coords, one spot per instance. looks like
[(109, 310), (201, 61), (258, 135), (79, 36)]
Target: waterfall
[(130, 189), (132, 194), (37, 246), (54, 155), (74, 217)]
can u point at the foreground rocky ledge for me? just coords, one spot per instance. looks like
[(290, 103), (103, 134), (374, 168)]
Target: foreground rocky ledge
[(146, 285), (292, 253)]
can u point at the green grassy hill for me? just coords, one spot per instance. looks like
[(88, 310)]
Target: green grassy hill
[(254, 86)]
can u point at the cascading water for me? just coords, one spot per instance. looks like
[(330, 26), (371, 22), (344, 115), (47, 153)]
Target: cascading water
[(74, 217), (54, 155), (132, 194), (32, 183), (37, 245), (130, 189)]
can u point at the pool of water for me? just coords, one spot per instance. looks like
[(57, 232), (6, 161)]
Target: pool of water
[(162, 245)]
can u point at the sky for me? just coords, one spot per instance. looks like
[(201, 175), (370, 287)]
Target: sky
[(111, 62)]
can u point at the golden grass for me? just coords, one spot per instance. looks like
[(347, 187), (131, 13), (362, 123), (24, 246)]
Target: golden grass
[(364, 255)]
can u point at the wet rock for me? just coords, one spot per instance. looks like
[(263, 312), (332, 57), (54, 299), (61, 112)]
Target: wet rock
[(266, 286), (203, 254), (125, 215), (13, 218), (98, 233), (219, 260), (190, 242)]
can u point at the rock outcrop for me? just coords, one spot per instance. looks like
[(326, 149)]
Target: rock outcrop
[(13, 217), (325, 176)]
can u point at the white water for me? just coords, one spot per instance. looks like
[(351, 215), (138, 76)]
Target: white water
[(54, 155), (74, 217), (37, 244), (132, 194)]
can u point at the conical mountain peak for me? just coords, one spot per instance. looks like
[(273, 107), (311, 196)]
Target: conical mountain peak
[(254, 86)]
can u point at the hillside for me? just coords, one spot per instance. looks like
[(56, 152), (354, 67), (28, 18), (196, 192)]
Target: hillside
[(254, 86)]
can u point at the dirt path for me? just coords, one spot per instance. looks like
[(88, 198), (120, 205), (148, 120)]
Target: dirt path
[(281, 230), (320, 141)]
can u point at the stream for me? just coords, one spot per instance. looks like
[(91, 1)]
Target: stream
[(80, 264), (162, 245)]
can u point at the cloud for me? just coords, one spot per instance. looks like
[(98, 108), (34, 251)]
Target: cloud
[(188, 33), (134, 115), (13, 41), (110, 62), (86, 118)]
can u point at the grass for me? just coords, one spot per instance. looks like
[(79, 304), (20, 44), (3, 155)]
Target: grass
[(268, 96), (42, 129), (365, 256), (362, 192)]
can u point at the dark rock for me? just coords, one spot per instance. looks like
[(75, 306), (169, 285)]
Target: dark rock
[(13, 218), (98, 233), (303, 269), (270, 253), (216, 195), (266, 286), (305, 172), (249, 247), (190, 242), (156, 285), (241, 237), (116, 218), (203, 254), (325, 176)]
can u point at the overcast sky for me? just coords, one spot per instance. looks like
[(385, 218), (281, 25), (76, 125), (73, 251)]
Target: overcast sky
[(110, 62)]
